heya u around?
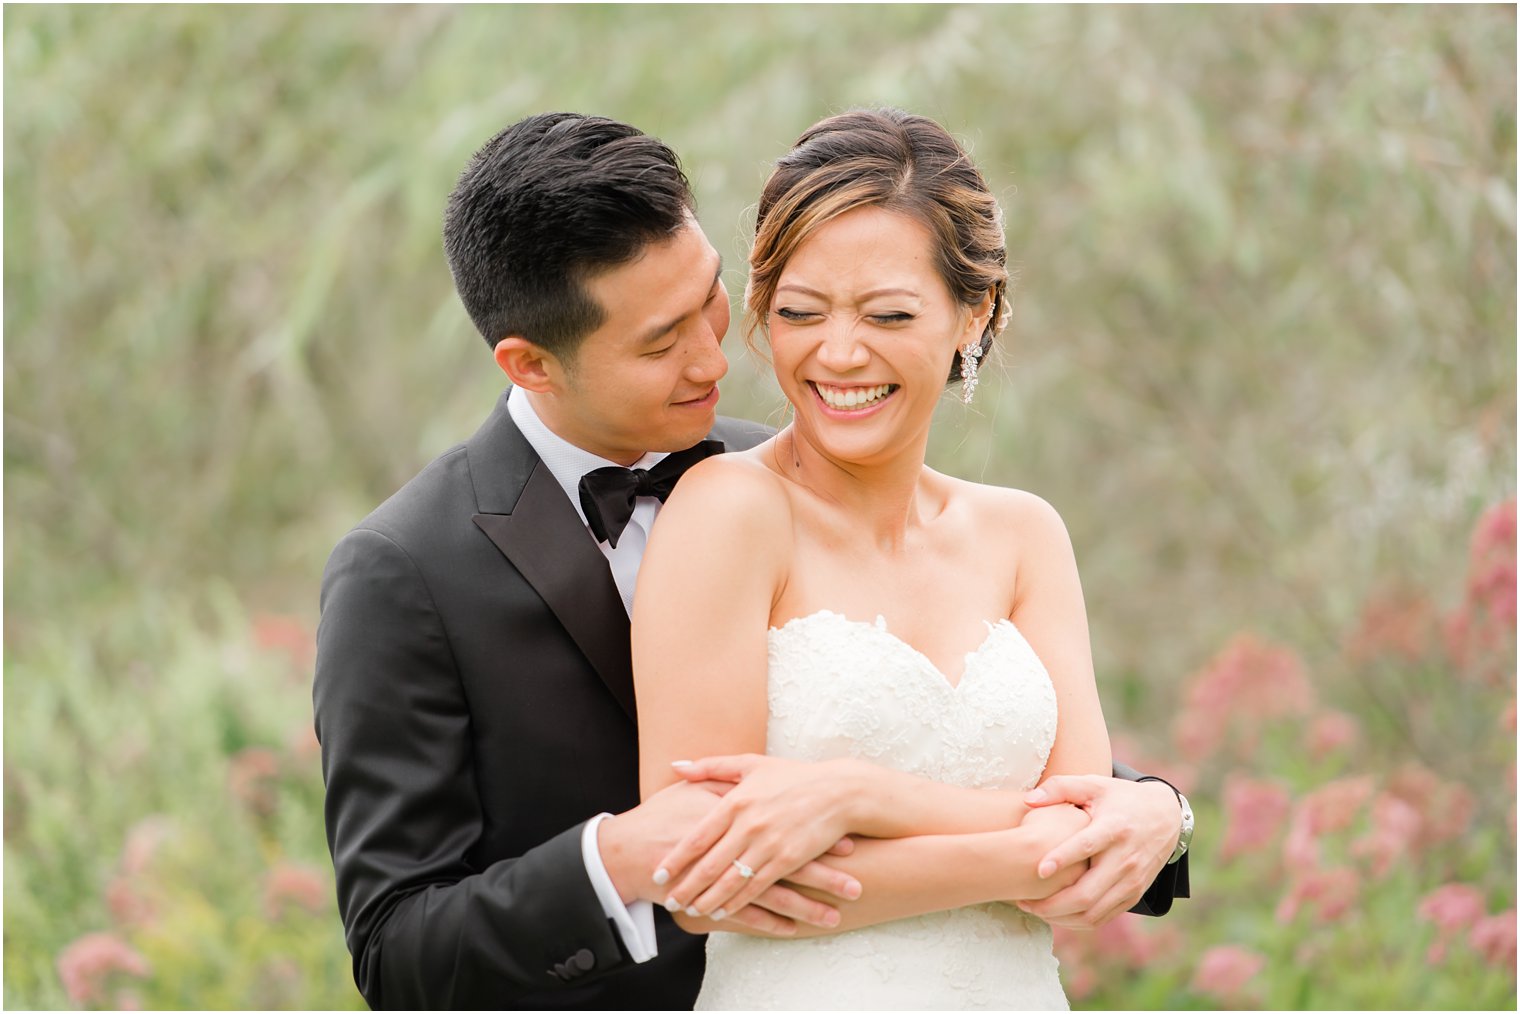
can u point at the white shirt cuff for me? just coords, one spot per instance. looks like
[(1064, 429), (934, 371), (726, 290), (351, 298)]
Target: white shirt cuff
[(634, 922)]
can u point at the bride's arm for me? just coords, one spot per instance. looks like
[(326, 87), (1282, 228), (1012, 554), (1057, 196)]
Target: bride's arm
[(713, 567)]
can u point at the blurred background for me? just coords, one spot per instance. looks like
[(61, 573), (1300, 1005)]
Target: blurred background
[(1262, 360)]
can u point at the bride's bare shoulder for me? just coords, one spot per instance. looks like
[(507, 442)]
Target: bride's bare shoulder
[(1019, 517), (738, 489)]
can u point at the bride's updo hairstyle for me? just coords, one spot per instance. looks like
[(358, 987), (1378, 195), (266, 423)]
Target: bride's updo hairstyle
[(889, 159)]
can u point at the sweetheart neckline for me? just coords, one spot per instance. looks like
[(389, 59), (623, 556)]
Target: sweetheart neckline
[(880, 625)]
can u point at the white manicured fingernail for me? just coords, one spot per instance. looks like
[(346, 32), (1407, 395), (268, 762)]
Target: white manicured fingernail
[(671, 905), (680, 764), (661, 876), (719, 915), (691, 910)]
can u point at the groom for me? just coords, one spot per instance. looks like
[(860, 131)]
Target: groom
[(473, 692)]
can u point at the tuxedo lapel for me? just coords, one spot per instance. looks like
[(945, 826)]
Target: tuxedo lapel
[(538, 531)]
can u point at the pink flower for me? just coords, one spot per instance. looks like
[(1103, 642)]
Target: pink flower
[(1453, 906), (1263, 679), (1330, 892), (1394, 835), (1445, 808), (1249, 683), (1491, 565), (1223, 972), (1401, 624), (1494, 938), (251, 778), (292, 883), (1330, 732), (86, 964), (1448, 815), (1300, 845), (129, 905), (1254, 814), (1335, 805)]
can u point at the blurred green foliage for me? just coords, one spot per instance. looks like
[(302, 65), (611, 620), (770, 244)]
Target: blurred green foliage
[(1262, 360)]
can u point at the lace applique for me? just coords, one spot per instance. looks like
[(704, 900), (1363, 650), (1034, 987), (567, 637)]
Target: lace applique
[(844, 688)]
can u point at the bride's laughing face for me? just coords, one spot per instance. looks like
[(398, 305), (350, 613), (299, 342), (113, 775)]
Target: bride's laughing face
[(863, 330)]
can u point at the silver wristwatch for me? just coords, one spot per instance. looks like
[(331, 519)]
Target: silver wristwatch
[(1185, 836)]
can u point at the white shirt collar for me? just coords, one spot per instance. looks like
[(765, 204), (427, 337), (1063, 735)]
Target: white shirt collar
[(565, 461)]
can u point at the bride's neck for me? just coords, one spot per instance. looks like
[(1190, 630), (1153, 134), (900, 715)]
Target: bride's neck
[(882, 496)]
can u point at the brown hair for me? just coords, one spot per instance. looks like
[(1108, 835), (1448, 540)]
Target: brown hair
[(893, 160)]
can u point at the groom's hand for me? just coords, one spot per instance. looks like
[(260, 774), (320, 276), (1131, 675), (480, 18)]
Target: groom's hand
[(778, 817), (632, 844), (1132, 833)]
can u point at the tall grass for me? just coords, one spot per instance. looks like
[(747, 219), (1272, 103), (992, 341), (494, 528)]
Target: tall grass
[(1262, 360)]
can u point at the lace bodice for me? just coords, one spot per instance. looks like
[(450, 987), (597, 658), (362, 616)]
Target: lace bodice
[(846, 688)]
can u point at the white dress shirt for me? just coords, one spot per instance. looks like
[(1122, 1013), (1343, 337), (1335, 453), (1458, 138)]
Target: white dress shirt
[(567, 463)]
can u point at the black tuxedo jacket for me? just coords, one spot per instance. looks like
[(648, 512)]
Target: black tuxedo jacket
[(474, 702)]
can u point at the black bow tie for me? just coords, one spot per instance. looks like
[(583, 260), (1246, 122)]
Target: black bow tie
[(607, 494)]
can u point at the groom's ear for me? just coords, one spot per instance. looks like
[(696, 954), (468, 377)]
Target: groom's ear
[(527, 365)]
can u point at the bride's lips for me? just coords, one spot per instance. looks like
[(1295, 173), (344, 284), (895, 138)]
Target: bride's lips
[(878, 395), (708, 400)]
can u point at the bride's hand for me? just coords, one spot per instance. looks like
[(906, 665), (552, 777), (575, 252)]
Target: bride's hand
[(779, 816), (1045, 828)]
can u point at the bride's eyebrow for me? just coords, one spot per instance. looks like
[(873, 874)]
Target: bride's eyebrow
[(872, 294), (890, 291), (794, 287)]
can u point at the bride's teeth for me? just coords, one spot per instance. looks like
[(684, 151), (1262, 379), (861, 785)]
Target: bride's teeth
[(854, 397)]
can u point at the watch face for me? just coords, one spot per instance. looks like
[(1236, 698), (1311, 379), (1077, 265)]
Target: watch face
[(1185, 838)]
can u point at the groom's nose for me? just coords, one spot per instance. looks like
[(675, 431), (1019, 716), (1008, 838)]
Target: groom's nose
[(707, 364)]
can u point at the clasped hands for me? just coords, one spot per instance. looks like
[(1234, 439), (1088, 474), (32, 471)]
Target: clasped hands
[(779, 819)]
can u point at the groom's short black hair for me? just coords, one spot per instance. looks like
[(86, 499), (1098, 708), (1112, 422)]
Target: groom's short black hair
[(546, 204)]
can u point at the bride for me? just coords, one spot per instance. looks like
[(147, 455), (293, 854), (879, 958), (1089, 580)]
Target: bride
[(909, 650)]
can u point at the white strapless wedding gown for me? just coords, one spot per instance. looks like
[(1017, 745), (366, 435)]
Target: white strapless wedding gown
[(844, 688)]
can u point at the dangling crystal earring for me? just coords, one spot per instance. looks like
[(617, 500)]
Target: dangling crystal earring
[(970, 353)]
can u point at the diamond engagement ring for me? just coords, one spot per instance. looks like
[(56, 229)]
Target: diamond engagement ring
[(744, 871)]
